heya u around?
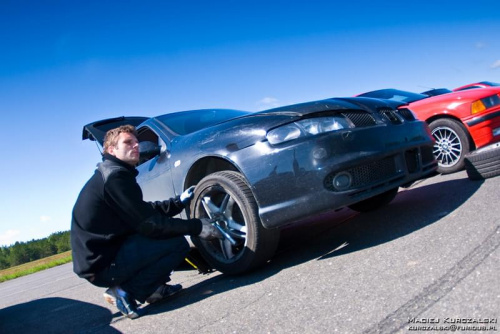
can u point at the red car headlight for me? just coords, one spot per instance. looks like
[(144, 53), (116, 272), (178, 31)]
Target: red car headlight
[(485, 103)]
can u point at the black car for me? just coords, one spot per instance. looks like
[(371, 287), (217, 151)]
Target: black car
[(257, 172)]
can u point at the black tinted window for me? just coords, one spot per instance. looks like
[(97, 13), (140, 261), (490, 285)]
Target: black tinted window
[(186, 122)]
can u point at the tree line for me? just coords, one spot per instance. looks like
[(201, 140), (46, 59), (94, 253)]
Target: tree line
[(23, 252)]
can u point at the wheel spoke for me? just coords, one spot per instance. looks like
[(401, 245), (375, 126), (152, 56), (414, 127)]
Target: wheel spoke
[(233, 227), (224, 204), (438, 135), (236, 229), (228, 223), (436, 151), (455, 153), (226, 249), (449, 136), (227, 209), (209, 206)]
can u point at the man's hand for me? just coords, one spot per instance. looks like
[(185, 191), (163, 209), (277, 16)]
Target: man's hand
[(208, 230), (187, 195)]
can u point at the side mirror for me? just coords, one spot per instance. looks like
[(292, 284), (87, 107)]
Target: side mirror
[(148, 150)]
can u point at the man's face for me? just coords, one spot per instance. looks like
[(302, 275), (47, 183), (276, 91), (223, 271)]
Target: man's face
[(126, 149)]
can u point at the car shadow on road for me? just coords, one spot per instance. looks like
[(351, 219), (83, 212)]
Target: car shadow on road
[(339, 233), (411, 210), (55, 315)]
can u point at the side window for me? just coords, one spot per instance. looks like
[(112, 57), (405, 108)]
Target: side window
[(146, 134)]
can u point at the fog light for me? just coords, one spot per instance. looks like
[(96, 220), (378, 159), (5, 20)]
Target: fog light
[(319, 153), (342, 181)]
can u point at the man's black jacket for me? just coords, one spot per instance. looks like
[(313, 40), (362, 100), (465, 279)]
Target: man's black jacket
[(110, 208)]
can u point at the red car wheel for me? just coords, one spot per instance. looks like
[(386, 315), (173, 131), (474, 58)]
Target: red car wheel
[(452, 144)]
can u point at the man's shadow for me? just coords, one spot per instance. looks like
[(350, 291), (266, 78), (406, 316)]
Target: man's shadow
[(55, 315), (339, 233)]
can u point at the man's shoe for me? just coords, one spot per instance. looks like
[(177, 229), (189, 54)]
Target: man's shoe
[(123, 301), (163, 291)]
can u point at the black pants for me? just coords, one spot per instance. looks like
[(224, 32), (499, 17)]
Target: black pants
[(143, 264)]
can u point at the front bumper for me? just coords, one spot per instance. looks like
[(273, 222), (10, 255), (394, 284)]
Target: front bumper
[(292, 182), (485, 129)]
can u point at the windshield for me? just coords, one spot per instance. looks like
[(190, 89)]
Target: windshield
[(437, 91), (395, 95), (186, 122), (489, 83)]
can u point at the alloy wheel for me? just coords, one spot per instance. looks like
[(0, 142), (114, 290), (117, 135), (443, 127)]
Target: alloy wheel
[(221, 206), (448, 146)]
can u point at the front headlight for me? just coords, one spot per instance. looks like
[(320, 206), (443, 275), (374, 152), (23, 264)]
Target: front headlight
[(307, 127), (485, 103)]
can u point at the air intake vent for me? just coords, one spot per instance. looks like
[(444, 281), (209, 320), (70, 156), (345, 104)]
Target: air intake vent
[(427, 154), (390, 115), (360, 118), (366, 175), (406, 114)]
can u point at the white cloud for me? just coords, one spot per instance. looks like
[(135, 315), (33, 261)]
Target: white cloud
[(268, 103), (44, 219), (480, 45), (8, 238), (496, 64)]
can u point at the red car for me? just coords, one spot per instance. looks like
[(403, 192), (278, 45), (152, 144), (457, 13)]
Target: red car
[(481, 84), (460, 121)]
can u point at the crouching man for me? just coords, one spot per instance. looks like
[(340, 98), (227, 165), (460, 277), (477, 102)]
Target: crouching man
[(123, 243)]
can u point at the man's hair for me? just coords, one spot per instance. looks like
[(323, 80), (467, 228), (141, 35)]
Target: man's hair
[(111, 138)]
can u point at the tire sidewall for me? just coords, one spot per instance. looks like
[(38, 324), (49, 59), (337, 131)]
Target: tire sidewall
[(483, 163)]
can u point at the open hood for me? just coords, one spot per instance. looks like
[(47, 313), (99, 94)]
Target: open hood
[(97, 130)]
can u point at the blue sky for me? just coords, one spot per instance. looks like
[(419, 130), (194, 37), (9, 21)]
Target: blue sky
[(64, 64)]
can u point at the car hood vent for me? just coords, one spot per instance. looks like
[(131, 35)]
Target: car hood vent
[(390, 115), (359, 118)]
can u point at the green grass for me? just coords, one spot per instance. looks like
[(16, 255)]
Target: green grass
[(33, 267)]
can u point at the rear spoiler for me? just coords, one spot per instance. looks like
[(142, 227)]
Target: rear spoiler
[(97, 130)]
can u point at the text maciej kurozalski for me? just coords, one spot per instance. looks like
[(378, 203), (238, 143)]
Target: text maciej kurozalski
[(452, 320)]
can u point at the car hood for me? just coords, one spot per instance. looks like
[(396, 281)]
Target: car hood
[(333, 104), (249, 128), (244, 131)]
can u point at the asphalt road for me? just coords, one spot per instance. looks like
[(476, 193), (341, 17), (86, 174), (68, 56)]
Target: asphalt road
[(431, 256)]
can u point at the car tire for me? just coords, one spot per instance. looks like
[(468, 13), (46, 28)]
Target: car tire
[(375, 202), (483, 163), (227, 195), (451, 146)]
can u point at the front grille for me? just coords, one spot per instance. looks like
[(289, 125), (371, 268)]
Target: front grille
[(367, 174), (360, 118), (390, 115)]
